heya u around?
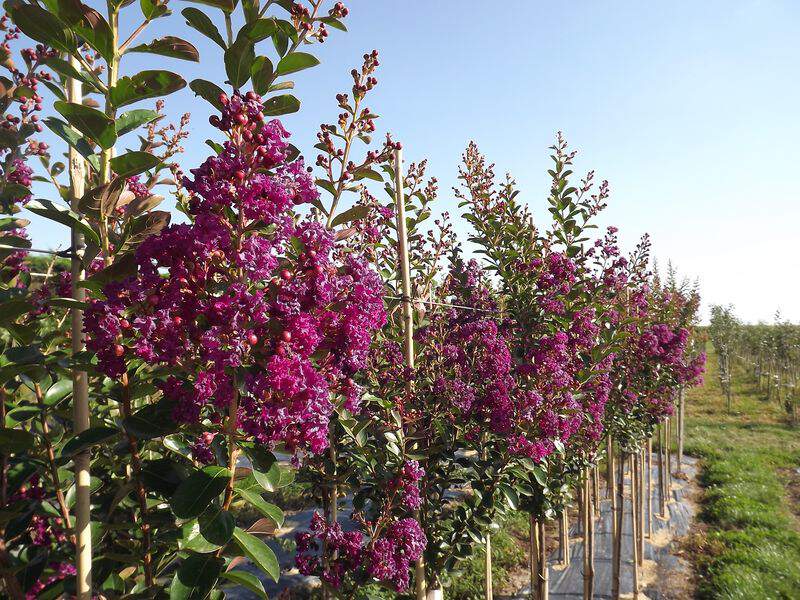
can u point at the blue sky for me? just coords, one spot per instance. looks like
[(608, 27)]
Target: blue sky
[(689, 109)]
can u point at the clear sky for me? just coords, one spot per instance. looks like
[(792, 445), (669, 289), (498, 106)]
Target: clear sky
[(690, 110)]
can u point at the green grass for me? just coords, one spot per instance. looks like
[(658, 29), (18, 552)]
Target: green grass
[(753, 539)]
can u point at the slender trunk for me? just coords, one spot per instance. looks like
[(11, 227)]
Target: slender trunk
[(408, 314), (617, 550), (634, 524), (533, 543), (563, 536), (544, 576), (80, 381), (488, 569), (55, 480), (681, 425), (640, 503), (649, 467), (588, 537)]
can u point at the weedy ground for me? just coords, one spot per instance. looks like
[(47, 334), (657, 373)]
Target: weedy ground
[(748, 541)]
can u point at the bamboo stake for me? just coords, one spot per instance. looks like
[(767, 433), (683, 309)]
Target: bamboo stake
[(533, 543), (681, 425), (408, 312), (617, 550), (634, 525), (80, 382), (662, 492), (668, 453), (610, 469), (596, 491), (488, 566), (649, 466), (611, 486), (640, 503), (563, 536), (544, 575), (588, 537)]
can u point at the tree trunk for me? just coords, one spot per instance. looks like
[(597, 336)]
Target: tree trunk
[(617, 538)]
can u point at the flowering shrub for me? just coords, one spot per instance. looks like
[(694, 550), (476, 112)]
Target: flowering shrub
[(249, 292), (271, 323)]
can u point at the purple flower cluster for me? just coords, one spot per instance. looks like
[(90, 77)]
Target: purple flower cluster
[(385, 557), (249, 287), (389, 560)]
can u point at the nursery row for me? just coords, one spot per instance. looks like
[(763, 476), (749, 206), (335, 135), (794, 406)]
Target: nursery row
[(770, 353), (162, 381)]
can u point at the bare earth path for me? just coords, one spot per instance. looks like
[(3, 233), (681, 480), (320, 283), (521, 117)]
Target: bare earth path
[(665, 576)]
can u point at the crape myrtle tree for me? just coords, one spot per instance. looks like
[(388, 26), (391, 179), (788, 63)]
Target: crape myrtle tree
[(146, 392), (549, 291), (772, 351), (191, 359), (367, 456)]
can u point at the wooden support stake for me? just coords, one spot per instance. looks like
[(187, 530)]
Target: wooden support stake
[(662, 491), (649, 475), (533, 542), (80, 381), (488, 594), (620, 521), (408, 312), (544, 575), (640, 504), (667, 448), (681, 425), (611, 486), (588, 537), (634, 525), (595, 491), (563, 536)]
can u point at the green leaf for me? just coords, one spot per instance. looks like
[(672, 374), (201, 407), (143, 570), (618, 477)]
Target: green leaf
[(171, 46), (89, 25), (258, 30), (266, 469), (65, 69), (144, 85), (353, 213), (270, 511), (15, 440), (90, 122), (217, 525), (192, 539), (261, 74), (152, 10), (65, 216), (238, 59), (227, 6), (196, 493), (196, 577), (41, 25), (69, 135), (21, 414), (208, 91), (296, 61), (257, 551), (133, 163), (246, 580), (152, 421), (281, 105), (88, 438), (198, 20), (58, 391), (128, 121)]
